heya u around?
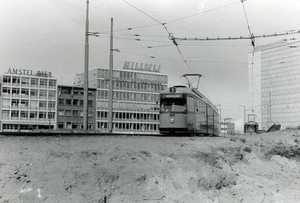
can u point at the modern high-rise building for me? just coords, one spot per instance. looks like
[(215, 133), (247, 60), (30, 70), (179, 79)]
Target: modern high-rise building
[(274, 84), (136, 90)]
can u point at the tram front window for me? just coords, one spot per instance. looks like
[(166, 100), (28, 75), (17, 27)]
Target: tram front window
[(174, 105)]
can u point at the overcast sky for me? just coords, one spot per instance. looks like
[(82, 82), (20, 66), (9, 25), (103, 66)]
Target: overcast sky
[(49, 35)]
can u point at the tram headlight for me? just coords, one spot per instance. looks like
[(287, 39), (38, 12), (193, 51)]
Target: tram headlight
[(172, 120)]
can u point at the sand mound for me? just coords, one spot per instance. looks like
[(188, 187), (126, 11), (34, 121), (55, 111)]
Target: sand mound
[(256, 168)]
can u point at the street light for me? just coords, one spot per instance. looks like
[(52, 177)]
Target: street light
[(220, 116)]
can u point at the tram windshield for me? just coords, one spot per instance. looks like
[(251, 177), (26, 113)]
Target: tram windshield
[(174, 105)]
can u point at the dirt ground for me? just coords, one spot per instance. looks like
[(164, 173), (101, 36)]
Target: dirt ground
[(97, 169)]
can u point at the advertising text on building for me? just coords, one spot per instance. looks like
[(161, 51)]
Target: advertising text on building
[(29, 72), (142, 66)]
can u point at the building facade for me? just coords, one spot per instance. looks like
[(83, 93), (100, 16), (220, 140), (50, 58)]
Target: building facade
[(227, 127), (274, 84), (70, 108), (28, 100), (136, 90)]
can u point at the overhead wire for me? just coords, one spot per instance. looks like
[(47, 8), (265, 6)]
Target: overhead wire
[(251, 36), (169, 22), (148, 47), (163, 24), (183, 18), (175, 40), (171, 37)]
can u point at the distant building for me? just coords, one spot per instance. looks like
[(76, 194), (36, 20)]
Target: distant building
[(227, 127), (136, 91), (274, 84), (28, 100), (70, 108)]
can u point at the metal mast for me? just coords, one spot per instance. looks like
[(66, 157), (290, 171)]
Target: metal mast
[(86, 69), (110, 99)]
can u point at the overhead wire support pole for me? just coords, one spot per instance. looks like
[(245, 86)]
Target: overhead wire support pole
[(252, 37), (110, 99), (86, 69)]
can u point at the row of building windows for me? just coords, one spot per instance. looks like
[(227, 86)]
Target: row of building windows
[(128, 116), (284, 60), (283, 89), (128, 106), (283, 116), (288, 77), (280, 81), (27, 115), (17, 127), (289, 72), (73, 102), (27, 81), (281, 98), (280, 50), (73, 92), (28, 93), (284, 107), (73, 113), (129, 96), (132, 86), (26, 104), (72, 125), (128, 126)]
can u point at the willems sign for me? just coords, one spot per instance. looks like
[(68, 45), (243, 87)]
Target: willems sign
[(29, 72), (141, 66)]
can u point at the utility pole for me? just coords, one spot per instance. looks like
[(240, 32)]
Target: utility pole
[(86, 70), (270, 111), (244, 113), (110, 99)]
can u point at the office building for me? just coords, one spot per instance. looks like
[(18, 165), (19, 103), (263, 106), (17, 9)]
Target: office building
[(136, 90), (70, 108), (274, 84), (227, 127), (28, 100)]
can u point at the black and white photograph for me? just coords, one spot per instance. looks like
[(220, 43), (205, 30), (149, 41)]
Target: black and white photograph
[(134, 101)]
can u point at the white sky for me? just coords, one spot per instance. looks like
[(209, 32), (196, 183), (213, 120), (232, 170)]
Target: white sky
[(49, 35)]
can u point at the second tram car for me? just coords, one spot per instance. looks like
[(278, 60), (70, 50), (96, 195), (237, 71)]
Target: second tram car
[(185, 110)]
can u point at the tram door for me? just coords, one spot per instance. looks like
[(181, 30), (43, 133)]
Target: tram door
[(191, 116)]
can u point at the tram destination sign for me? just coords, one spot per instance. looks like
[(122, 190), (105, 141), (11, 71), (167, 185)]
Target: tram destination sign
[(172, 95), (29, 72), (142, 67)]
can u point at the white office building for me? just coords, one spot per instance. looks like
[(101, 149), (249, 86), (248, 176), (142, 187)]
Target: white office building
[(274, 84), (136, 90), (28, 100)]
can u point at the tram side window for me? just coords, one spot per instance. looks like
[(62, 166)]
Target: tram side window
[(196, 106), (202, 109)]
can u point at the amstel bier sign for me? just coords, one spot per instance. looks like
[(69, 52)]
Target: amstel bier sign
[(16, 71)]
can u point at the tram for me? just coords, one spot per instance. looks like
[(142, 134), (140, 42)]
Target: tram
[(186, 111)]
